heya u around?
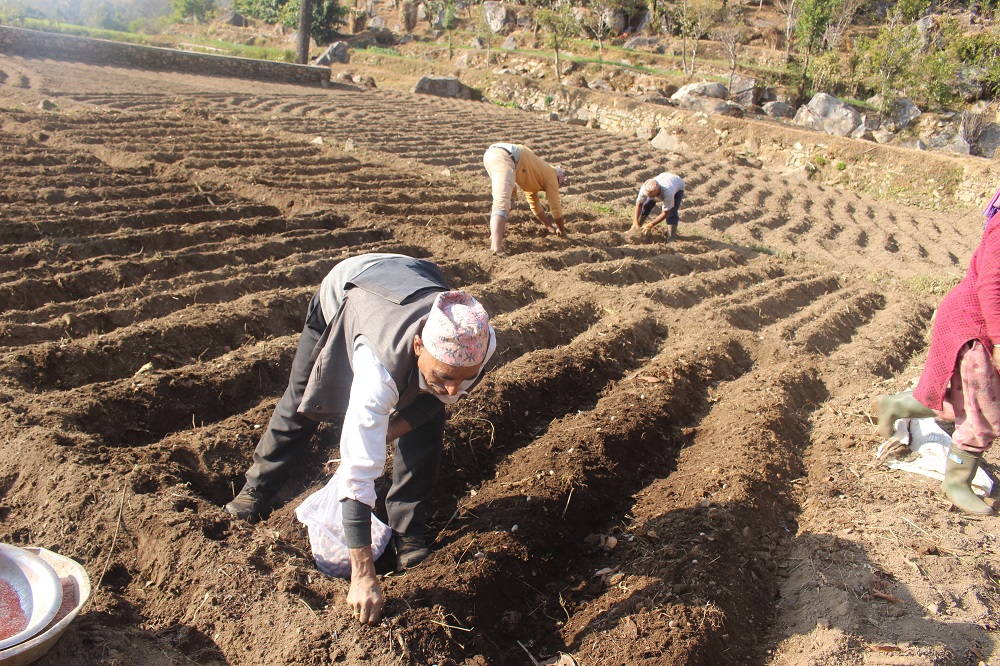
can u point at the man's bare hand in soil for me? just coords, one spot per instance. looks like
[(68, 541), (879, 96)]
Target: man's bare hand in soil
[(365, 595)]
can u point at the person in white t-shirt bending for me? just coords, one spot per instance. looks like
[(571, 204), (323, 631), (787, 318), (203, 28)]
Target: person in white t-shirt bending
[(666, 189)]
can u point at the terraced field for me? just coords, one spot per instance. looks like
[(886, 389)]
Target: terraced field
[(701, 401)]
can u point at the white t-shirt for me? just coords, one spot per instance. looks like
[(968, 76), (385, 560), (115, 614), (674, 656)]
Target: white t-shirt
[(670, 185)]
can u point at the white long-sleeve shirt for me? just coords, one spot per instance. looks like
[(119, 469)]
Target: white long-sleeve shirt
[(373, 399)]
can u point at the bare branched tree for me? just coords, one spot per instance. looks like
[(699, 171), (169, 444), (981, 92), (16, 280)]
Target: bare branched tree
[(732, 35), (696, 18), (843, 15), (791, 9)]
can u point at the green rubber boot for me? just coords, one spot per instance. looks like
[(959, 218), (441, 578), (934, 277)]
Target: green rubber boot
[(959, 472), (889, 408)]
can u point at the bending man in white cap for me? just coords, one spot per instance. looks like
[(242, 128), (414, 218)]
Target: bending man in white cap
[(386, 345), (509, 164), (668, 190)]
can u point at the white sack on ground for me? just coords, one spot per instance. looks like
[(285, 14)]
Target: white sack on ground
[(925, 438)]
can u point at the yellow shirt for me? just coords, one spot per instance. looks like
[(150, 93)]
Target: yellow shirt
[(535, 175)]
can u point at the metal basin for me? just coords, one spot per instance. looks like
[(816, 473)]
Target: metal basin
[(37, 587)]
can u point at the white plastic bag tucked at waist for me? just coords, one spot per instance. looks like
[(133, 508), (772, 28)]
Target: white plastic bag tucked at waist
[(322, 515)]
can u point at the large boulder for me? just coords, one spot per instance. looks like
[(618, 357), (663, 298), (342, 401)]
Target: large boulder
[(989, 140), (443, 86), (826, 113), (948, 143), (903, 112), (664, 140), (705, 97), (408, 15), (644, 22), (779, 110), (337, 52), (509, 44), (615, 20), (744, 91), (236, 19), (703, 89), (497, 17), (644, 43)]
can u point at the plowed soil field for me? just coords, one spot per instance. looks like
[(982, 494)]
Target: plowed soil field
[(703, 401)]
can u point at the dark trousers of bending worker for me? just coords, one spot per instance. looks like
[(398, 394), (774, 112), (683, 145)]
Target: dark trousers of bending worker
[(673, 215), (416, 455)]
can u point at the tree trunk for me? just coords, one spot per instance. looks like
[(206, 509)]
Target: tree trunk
[(684, 52), (558, 76), (305, 27)]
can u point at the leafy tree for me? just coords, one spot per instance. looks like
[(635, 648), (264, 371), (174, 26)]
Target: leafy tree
[(811, 27), (268, 11), (484, 32), (449, 21), (887, 59), (911, 10), (695, 18), (559, 25), (982, 51), (326, 15), (935, 72), (199, 10)]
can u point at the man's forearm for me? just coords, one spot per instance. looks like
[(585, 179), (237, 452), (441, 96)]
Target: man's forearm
[(398, 426)]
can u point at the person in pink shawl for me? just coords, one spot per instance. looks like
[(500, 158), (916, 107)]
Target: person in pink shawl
[(960, 381)]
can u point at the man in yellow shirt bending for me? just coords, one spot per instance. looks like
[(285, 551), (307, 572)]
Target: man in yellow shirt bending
[(509, 164)]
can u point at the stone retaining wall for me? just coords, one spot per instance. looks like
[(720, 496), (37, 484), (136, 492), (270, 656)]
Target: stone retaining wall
[(33, 43)]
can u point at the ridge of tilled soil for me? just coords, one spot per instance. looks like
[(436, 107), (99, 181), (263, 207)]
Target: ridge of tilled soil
[(161, 238)]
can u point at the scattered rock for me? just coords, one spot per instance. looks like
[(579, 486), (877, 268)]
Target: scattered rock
[(443, 86), (667, 141), (509, 44), (778, 110), (799, 174), (645, 133), (497, 17), (644, 43), (600, 84), (702, 88), (336, 52), (828, 114), (882, 135), (47, 105), (350, 145)]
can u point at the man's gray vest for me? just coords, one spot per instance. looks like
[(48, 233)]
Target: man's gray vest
[(385, 306)]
